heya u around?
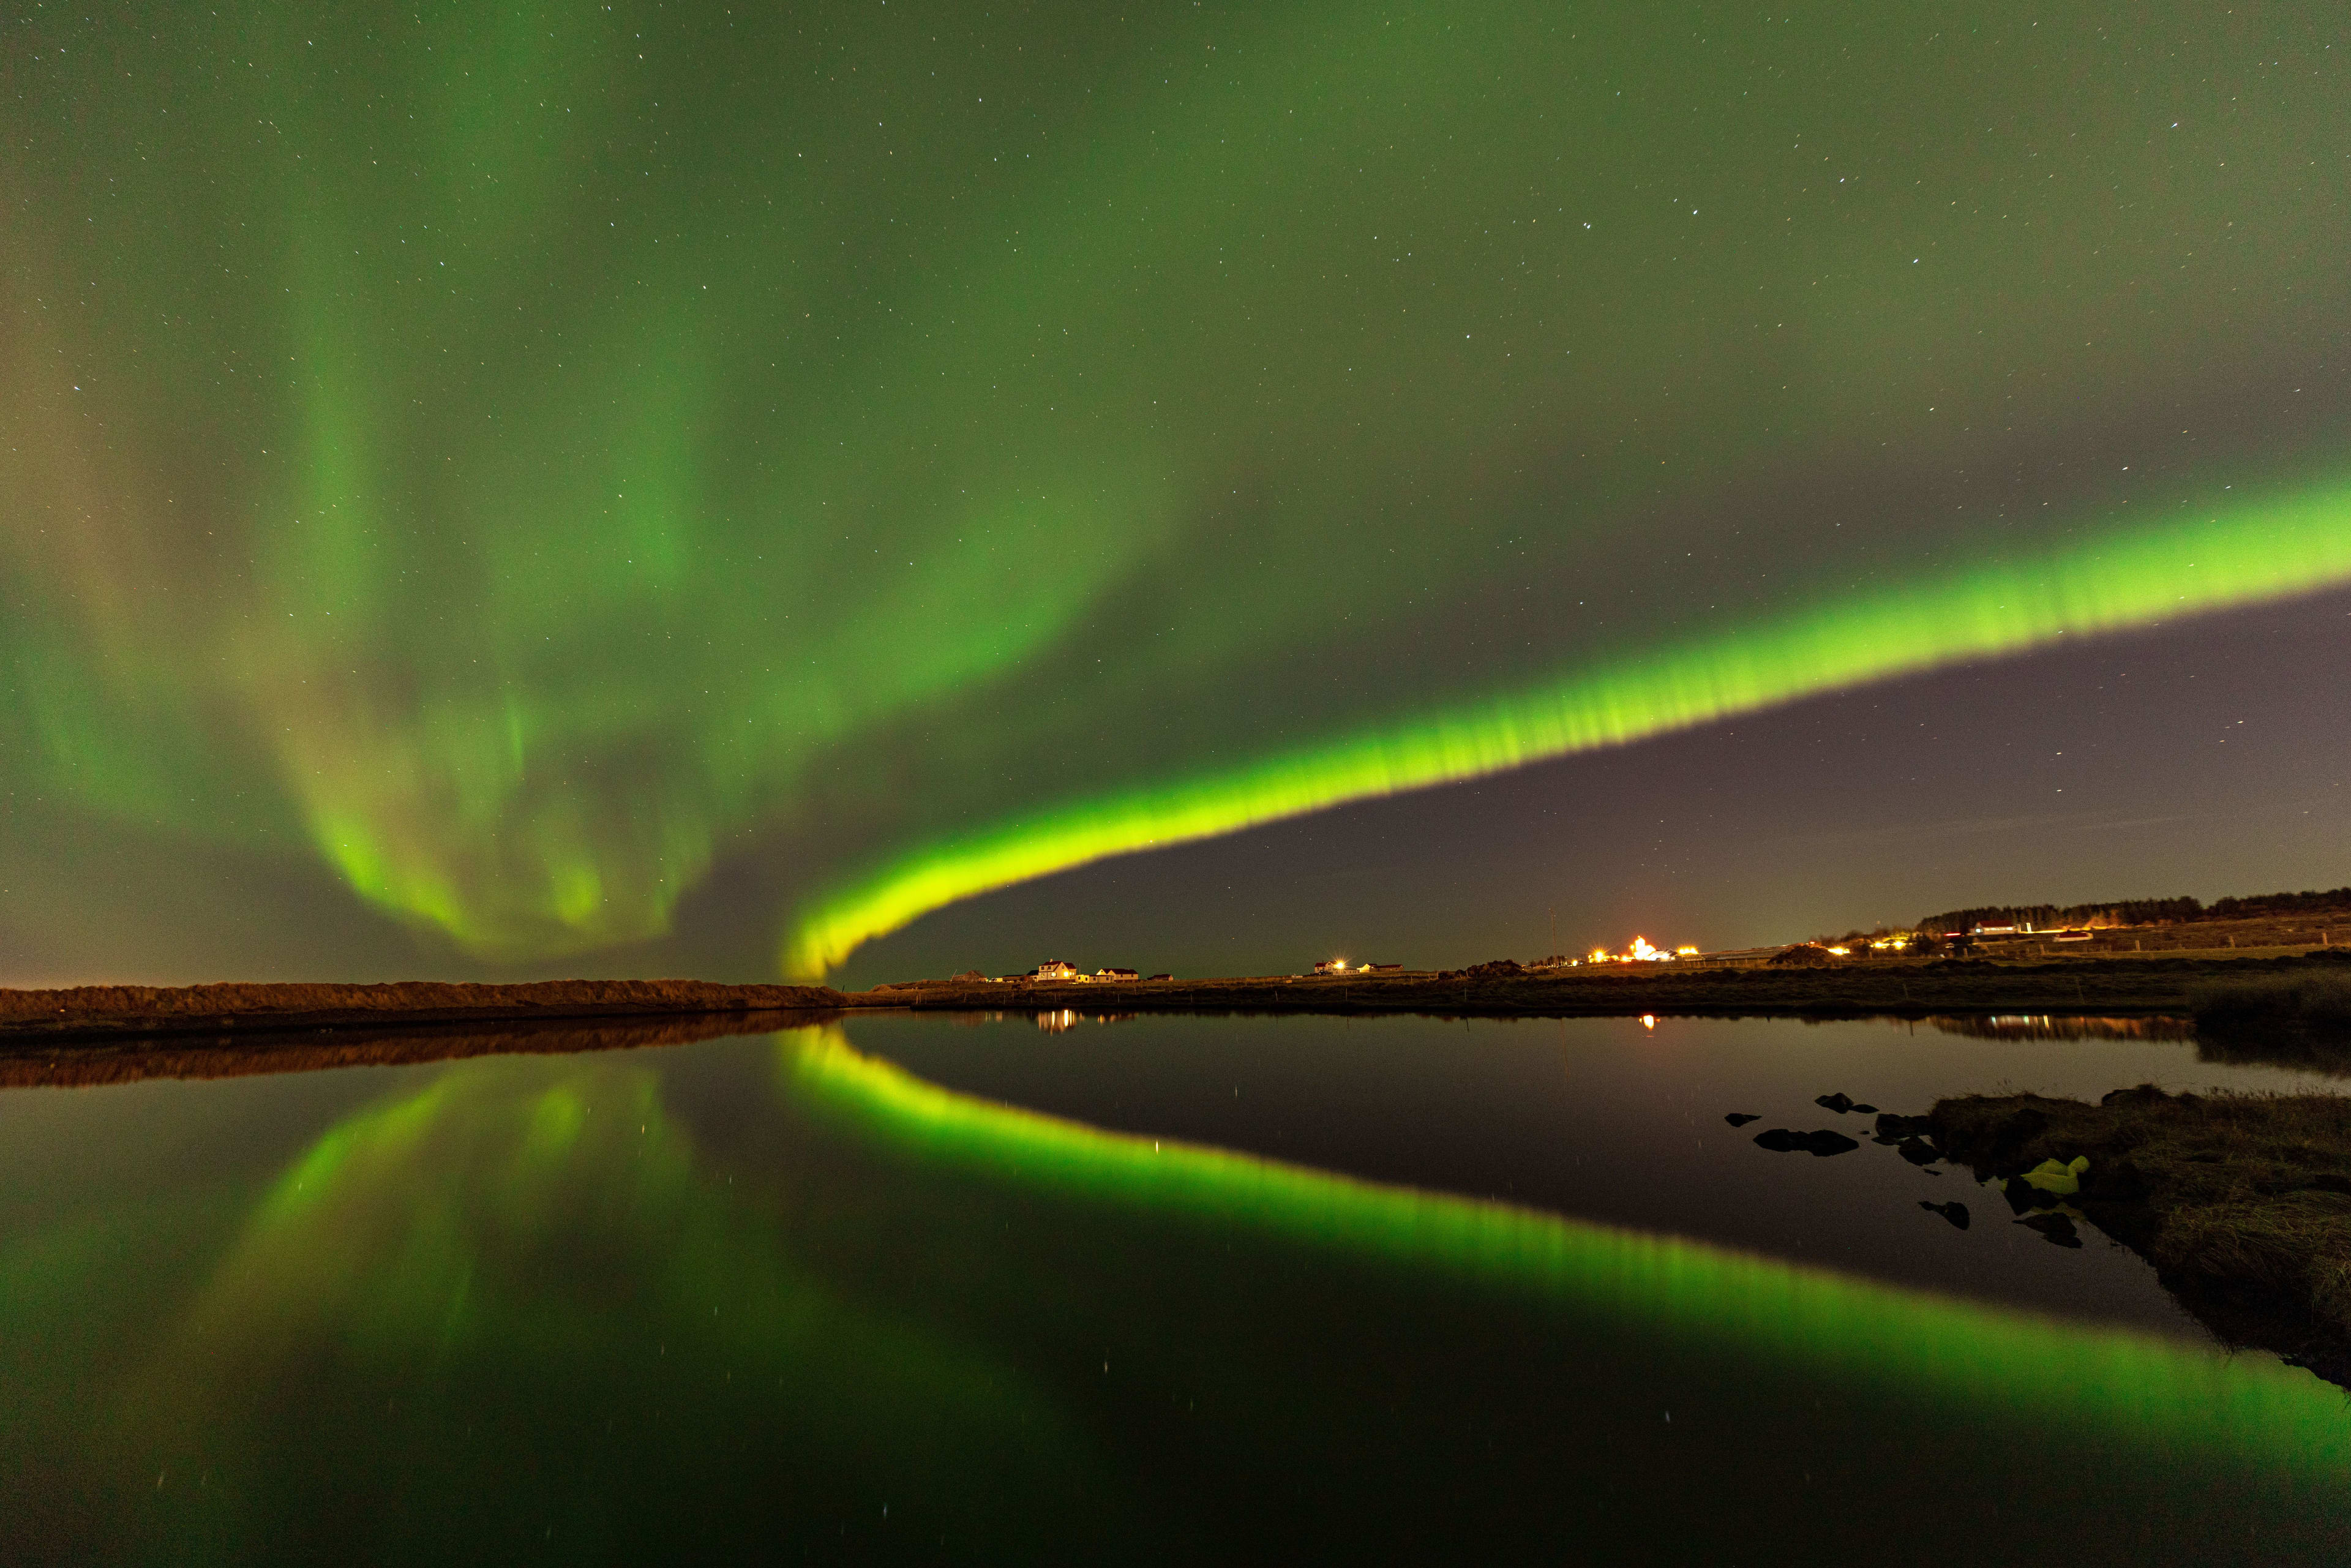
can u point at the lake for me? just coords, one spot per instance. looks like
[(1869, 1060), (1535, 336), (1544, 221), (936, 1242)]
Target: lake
[(914, 1288)]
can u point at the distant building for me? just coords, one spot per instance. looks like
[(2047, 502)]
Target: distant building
[(1162, 977), (1056, 969), (1993, 931), (1384, 968), (1116, 974)]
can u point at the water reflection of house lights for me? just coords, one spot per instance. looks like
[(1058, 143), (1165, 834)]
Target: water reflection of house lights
[(1064, 1020)]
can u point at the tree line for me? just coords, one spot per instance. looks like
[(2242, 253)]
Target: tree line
[(2136, 911)]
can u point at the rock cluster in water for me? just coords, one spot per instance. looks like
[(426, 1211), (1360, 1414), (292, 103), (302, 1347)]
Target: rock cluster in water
[(1823, 1142)]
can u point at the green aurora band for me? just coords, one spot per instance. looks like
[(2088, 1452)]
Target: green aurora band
[(474, 484), (2134, 581)]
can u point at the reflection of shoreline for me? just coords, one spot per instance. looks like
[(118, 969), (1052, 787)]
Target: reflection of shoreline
[(2057, 1025), (1055, 1020), (34, 1062), (29, 1064), (2271, 1047)]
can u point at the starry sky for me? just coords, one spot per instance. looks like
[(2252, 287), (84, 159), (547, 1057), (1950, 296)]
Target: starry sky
[(872, 489)]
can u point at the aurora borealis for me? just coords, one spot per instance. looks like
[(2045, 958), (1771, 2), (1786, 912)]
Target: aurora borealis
[(487, 488)]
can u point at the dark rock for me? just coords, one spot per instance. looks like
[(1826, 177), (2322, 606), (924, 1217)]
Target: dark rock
[(1864, 1110), (1840, 1104), (2144, 1093), (2022, 1196), (2054, 1227), (1917, 1151), (1823, 1143), (1954, 1211), (1740, 1118), (1890, 1125)]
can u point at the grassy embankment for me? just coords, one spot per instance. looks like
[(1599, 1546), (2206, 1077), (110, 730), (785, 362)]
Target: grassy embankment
[(2204, 934)]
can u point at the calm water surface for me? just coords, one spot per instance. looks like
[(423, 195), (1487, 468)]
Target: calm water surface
[(1165, 1290)]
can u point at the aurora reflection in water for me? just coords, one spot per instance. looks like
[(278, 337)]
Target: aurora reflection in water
[(772, 1293)]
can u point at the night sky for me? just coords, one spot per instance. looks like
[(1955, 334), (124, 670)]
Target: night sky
[(531, 488)]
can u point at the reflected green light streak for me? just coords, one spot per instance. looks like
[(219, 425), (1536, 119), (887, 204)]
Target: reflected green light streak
[(415, 1229), (2112, 583), (2105, 1384)]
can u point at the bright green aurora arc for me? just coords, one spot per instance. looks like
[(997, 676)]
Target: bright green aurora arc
[(476, 480)]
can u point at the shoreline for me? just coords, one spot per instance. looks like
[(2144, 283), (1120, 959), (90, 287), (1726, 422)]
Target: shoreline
[(113, 1013), (2092, 987), (2100, 987)]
